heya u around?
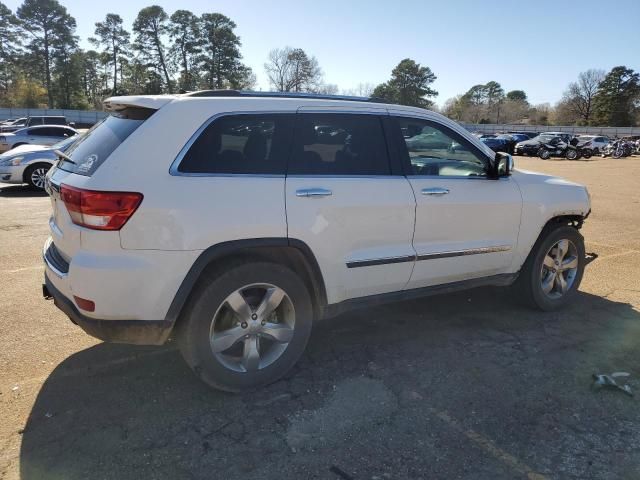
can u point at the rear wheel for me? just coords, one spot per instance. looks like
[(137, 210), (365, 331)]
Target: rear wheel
[(587, 153), (35, 175), (550, 277), (246, 327), (544, 154), (572, 154)]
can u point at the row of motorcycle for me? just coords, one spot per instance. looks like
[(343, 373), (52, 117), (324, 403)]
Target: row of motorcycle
[(572, 150)]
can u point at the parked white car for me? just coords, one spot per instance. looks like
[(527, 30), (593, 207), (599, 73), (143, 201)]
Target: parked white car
[(30, 163), (594, 142), (236, 227), (41, 135)]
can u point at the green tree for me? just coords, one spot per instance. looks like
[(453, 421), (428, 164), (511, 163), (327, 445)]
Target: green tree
[(91, 78), (517, 96), (9, 48), (186, 42), (150, 26), (111, 35), (67, 80), (220, 57), (617, 97), (51, 29), (495, 99), (409, 85)]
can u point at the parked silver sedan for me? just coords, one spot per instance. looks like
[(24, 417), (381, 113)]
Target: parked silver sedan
[(30, 163), (40, 135)]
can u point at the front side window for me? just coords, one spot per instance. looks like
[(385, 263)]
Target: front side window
[(338, 144), (241, 144), (435, 150)]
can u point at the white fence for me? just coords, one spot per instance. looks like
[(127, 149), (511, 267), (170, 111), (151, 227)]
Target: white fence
[(608, 131), (78, 116)]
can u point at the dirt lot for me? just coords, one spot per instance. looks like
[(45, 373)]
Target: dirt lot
[(461, 386)]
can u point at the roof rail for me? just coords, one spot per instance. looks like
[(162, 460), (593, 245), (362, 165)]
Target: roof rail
[(251, 93)]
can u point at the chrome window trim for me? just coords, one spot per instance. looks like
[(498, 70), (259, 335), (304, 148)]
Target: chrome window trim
[(302, 110)]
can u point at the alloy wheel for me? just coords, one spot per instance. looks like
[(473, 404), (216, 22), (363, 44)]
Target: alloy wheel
[(38, 177), (559, 269), (252, 328)]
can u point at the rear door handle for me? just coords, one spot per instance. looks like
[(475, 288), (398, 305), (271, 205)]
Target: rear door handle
[(313, 192), (435, 191)]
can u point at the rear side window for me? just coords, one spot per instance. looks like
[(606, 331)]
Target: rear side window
[(339, 144), (241, 144), (93, 148)]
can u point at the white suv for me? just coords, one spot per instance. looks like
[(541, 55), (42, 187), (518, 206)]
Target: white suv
[(232, 220)]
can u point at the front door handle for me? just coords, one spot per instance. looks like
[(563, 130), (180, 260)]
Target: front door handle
[(435, 191), (313, 192)]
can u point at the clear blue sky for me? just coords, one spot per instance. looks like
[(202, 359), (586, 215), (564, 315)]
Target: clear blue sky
[(537, 46)]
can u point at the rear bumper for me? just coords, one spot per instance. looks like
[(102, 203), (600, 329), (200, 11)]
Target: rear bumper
[(139, 332)]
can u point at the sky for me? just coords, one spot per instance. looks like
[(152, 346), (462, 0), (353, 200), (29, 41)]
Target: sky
[(538, 47)]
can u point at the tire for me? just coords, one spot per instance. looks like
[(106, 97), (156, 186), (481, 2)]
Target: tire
[(587, 153), (572, 154), (210, 323), (34, 175), (544, 154), (535, 273)]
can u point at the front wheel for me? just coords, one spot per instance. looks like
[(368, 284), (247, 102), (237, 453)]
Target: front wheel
[(246, 327), (572, 154), (550, 277), (35, 176), (544, 154)]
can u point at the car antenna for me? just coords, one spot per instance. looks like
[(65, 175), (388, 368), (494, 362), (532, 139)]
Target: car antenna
[(64, 156)]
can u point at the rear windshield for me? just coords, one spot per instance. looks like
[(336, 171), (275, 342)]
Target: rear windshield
[(93, 148)]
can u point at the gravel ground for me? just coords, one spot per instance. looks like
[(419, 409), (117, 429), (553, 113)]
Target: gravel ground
[(468, 385)]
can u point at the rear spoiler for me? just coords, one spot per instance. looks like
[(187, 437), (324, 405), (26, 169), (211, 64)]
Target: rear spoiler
[(153, 102)]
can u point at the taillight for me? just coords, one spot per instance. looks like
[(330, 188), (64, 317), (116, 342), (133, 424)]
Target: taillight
[(99, 210)]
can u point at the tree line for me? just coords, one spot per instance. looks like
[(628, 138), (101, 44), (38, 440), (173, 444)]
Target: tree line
[(42, 65), (596, 98)]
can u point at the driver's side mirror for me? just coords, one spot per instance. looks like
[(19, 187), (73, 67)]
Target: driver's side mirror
[(503, 164)]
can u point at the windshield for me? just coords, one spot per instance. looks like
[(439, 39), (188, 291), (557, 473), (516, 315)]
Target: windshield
[(92, 149)]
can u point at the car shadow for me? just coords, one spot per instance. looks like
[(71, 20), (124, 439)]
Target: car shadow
[(119, 411), (17, 191)]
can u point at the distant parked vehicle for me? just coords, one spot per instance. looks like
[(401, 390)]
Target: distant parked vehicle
[(531, 147), (529, 135), (556, 147), (618, 149), (38, 120), (30, 163), (512, 140), (14, 125), (497, 144), (594, 142), (43, 135)]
